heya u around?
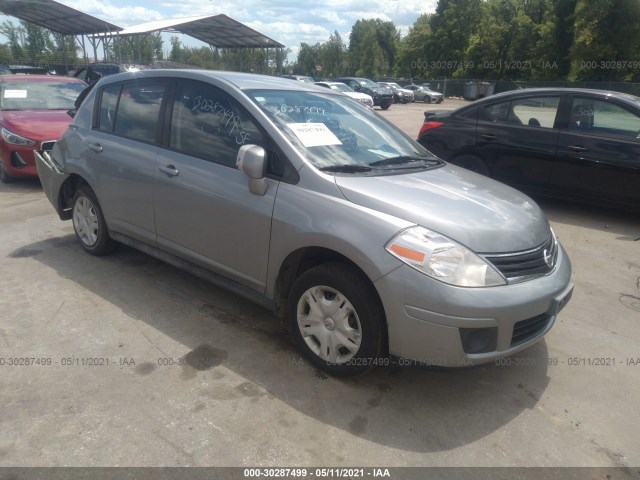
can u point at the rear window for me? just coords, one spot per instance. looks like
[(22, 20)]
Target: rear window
[(47, 95)]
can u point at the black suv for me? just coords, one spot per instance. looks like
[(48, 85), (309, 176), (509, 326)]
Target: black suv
[(95, 71), (382, 96)]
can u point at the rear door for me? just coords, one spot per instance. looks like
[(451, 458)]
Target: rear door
[(121, 151), (204, 211), (599, 150), (517, 139)]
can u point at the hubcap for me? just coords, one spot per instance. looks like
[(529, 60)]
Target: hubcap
[(85, 221), (329, 324)]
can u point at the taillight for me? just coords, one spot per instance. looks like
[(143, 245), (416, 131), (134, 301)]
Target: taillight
[(428, 125)]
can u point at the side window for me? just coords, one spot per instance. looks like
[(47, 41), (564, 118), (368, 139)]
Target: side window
[(139, 110), (208, 124), (108, 107), (604, 119), (497, 112), (533, 112)]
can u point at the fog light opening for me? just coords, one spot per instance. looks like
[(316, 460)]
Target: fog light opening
[(479, 340)]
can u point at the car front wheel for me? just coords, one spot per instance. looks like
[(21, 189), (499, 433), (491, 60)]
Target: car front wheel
[(89, 224), (336, 319)]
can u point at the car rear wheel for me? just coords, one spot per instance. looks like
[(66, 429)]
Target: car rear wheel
[(89, 224), (385, 107), (337, 320), (473, 163)]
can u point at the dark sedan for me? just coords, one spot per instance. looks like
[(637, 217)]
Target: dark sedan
[(578, 144)]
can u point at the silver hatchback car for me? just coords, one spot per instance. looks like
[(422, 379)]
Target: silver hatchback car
[(311, 204)]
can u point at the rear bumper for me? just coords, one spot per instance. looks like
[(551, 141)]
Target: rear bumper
[(52, 176)]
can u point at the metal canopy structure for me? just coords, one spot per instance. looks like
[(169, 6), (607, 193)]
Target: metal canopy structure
[(219, 31), (56, 17)]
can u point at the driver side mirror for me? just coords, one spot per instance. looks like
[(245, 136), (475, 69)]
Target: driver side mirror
[(252, 160)]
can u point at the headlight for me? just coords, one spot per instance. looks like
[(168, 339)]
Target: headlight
[(443, 259), (14, 139)]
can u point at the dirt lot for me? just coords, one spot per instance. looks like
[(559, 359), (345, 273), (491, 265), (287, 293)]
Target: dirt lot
[(113, 343)]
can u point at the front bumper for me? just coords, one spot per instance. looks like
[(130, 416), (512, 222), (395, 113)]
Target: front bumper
[(18, 161), (432, 323)]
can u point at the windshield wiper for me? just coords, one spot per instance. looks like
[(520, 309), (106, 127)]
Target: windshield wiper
[(346, 168), (403, 159)]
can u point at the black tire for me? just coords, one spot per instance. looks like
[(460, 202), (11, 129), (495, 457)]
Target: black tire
[(4, 176), (93, 235), (353, 314), (473, 163), (385, 107), (427, 99)]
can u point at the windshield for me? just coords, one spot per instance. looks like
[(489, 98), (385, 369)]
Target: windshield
[(341, 87), (337, 134), (368, 83), (395, 85), (48, 95)]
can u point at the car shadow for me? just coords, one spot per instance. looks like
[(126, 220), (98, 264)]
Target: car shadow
[(593, 217), (410, 408)]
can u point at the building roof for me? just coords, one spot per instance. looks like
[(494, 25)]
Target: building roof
[(56, 17)]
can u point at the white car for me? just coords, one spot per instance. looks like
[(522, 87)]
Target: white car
[(400, 95), (347, 90)]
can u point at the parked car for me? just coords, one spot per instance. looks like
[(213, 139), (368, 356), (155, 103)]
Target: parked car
[(382, 96), (343, 88), (306, 202), (32, 116), (572, 143), (95, 71), (425, 94), (28, 70), (300, 78), (400, 95)]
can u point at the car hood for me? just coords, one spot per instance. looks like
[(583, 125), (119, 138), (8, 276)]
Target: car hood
[(36, 124), (482, 214)]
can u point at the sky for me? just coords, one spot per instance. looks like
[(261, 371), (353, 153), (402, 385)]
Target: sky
[(290, 22)]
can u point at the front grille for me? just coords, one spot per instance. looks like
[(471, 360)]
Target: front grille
[(48, 146), (521, 266), (527, 329)]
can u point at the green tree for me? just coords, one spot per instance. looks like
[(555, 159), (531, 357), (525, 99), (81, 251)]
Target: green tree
[(412, 52), (373, 48), (452, 26), (606, 34)]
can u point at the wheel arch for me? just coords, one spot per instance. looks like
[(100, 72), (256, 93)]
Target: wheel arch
[(67, 192), (305, 258)]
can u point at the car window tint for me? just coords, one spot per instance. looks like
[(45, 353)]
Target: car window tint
[(534, 112), (139, 109), (108, 106), (207, 123), (604, 119), (497, 112)]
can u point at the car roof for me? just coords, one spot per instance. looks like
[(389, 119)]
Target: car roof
[(593, 91), (527, 92), (240, 80)]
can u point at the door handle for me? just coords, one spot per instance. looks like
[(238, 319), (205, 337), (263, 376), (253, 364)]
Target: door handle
[(578, 148), (169, 170), (488, 137), (96, 147)]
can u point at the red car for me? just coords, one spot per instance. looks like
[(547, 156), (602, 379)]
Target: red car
[(33, 115)]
